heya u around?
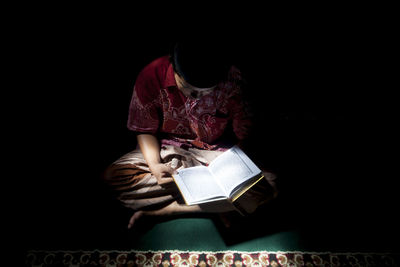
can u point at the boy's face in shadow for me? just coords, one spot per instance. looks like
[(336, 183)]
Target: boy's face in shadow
[(191, 91)]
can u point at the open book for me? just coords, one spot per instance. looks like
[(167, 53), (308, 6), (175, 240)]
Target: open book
[(227, 177)]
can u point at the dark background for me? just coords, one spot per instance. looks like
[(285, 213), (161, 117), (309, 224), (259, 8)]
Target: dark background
[(317, 88)]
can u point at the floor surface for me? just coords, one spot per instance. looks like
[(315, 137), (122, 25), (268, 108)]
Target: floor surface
[(329, 202)]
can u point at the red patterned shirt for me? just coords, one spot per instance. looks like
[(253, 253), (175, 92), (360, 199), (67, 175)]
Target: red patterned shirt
[(159, 107)]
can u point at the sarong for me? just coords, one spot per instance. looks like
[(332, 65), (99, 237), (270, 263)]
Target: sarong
[(136, 188)]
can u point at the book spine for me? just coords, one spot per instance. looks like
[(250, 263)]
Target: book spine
[(245, 189)]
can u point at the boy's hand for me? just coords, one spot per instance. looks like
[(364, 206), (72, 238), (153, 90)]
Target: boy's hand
[(162, 173)]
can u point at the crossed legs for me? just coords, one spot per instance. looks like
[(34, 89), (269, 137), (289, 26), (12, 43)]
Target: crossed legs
[(179, 209)]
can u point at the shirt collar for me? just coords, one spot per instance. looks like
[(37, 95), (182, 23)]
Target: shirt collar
[(169, 77)]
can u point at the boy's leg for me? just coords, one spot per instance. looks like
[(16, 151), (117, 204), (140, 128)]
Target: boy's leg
[(179, 209), (137, 189)]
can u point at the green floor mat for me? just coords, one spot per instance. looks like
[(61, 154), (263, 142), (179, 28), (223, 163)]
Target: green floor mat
[(204, 234)]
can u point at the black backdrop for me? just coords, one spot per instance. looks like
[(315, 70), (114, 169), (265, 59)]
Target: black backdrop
[(312, 86)]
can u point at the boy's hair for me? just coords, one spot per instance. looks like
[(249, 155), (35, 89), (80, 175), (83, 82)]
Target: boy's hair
[(201, 64)]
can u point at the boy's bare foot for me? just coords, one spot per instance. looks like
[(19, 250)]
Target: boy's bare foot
[(172, 209), (134, 218), (177, 209)]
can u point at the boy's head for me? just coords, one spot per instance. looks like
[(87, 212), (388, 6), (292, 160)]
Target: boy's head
[(201, 64)]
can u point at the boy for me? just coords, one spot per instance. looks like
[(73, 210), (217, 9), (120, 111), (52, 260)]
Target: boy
[(186, 109)]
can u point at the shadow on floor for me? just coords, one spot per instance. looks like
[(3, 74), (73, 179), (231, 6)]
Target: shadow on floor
[(334, 193)]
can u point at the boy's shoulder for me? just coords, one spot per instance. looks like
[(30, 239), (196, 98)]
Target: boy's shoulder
[(158, 66), (154, 73)]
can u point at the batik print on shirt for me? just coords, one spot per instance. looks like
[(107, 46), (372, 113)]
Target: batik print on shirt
[(159, 107)]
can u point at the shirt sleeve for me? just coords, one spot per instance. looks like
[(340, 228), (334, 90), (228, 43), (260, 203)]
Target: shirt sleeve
[(144, 107), (242, 115), (242, 122)]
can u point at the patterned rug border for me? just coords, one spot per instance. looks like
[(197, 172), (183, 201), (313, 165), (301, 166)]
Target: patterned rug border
[(142, 258), (213, 251)]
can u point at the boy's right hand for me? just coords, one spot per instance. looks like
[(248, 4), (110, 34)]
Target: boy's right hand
[(162, 172)]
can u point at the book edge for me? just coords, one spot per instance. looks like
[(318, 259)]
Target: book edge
[(180, 190), (244, 190)]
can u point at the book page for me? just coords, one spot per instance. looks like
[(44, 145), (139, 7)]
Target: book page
[(233, 168), (199, 183)]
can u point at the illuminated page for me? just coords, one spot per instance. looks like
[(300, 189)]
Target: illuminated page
[(197, 185), (233, 168)]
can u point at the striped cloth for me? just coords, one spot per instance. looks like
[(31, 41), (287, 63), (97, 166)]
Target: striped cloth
[(135, 187)]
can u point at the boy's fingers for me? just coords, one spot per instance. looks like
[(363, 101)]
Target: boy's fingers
[(168, 169)]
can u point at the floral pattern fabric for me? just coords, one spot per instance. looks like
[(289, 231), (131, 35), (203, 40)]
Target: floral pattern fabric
[(158, 106)]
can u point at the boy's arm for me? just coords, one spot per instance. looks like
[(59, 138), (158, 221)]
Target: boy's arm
[(150, 148)]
